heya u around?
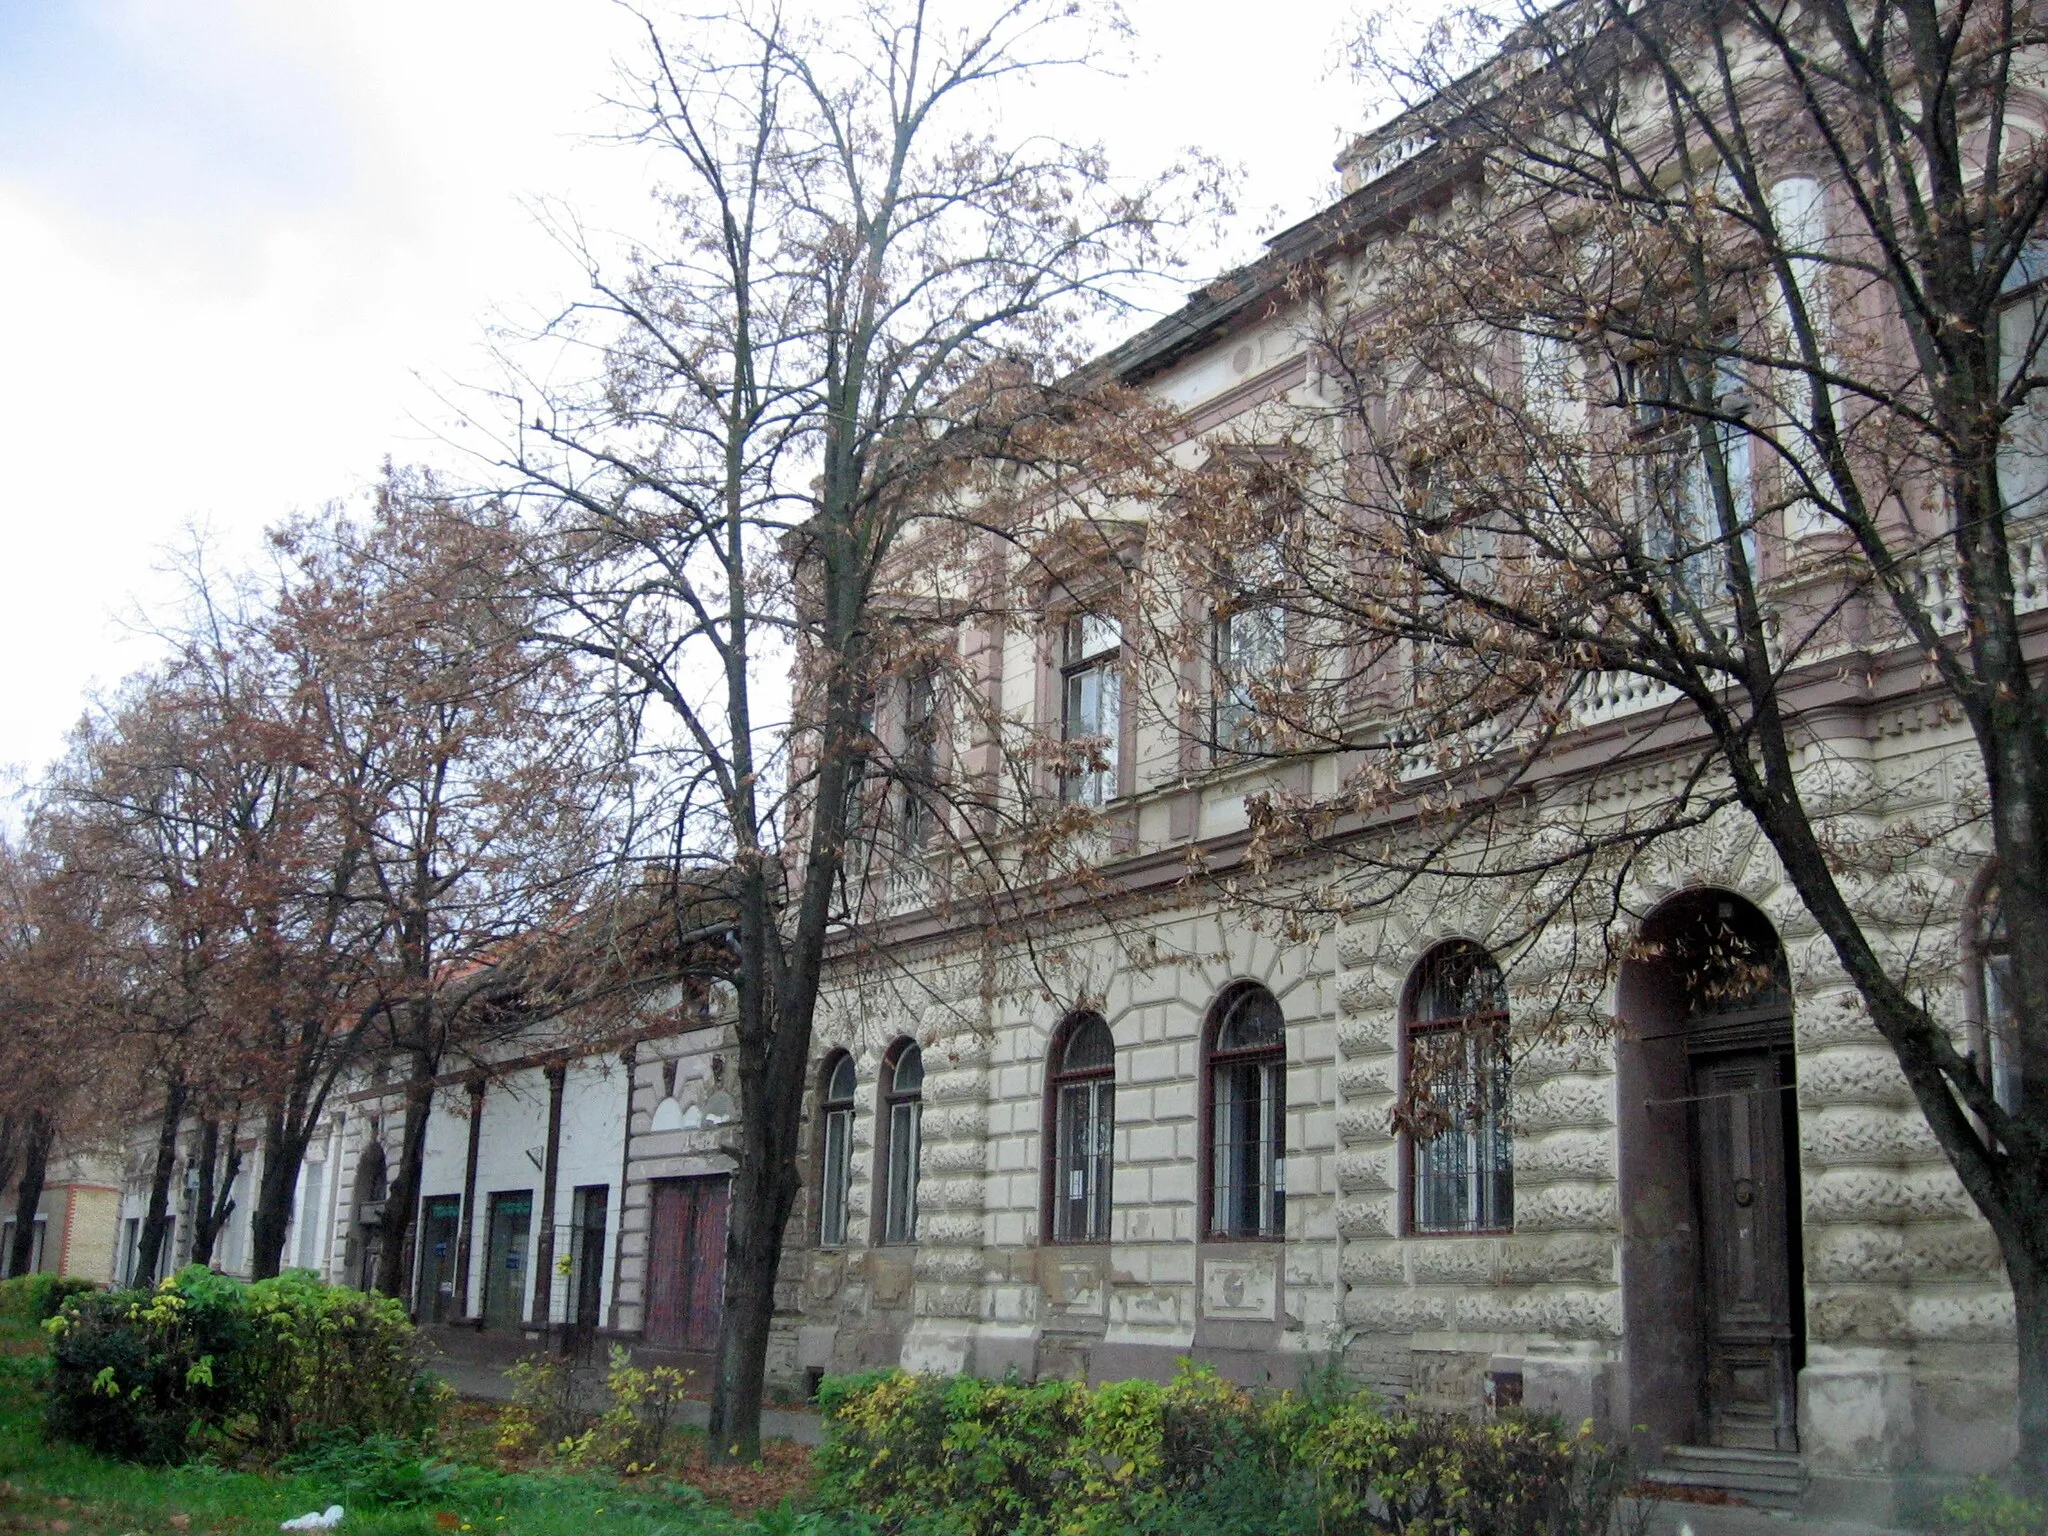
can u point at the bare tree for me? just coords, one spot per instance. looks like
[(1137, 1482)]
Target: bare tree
[(820, 353), (479, 808), (1683, 363)]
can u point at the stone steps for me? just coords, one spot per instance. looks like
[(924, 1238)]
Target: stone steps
[(1770, 1479)]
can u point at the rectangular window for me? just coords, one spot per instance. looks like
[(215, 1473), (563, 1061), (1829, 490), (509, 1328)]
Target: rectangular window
[(1464, 1174), (1084, 1123), (900, 1194), (1250, 646), (2023, 330), (837, 1175), (1091, 705), (2001, 1031), (1696, 443), (920, 758), (1250, 1175)]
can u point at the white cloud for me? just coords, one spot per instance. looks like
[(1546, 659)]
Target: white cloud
[(238, 237)]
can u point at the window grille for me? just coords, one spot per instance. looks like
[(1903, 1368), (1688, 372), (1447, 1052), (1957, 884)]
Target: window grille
[(1247, 1117), (836, 1152), (1084, 1125), (903, 1114), (1462, 1164)]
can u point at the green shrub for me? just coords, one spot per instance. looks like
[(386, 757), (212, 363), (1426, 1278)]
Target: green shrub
[(1989, 1510), (154, 1375), (1195, 1457), (38, 1298)]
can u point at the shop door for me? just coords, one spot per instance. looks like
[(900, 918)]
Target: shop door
[(440, 1221), (686, 1262), (1740, 1121), (505, 1268)]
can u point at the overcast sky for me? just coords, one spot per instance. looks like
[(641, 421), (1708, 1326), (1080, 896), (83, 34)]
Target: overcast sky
[(245, 243)]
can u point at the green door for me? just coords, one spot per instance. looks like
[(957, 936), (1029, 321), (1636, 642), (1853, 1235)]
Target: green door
[(505, 1269)]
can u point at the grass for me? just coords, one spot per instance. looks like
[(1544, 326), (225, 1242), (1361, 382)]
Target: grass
[(54, 1489)]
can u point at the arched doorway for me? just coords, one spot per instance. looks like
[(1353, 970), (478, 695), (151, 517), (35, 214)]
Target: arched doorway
[(1712, 1290)]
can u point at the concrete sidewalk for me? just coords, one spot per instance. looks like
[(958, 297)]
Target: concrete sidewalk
[(1671, 1518)]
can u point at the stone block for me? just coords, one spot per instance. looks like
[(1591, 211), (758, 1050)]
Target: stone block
[(1855, 1412)]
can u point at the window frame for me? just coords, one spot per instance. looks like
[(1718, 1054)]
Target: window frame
[(1669, 425), (1471, 1025), (918, 762), (1270, 1061), (1094, 787), (1098, 1084), (835, 1171), (1990, 949), (902, 1137)]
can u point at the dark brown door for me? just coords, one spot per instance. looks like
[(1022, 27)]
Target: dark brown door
[(1745, 1251), (686, 1262)]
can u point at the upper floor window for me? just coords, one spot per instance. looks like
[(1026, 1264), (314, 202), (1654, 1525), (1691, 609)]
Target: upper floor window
[(835, 1149), (1250, 645), (918, 763), (1083, 1087), (1091, 706), (902, 1123), (1994, 1000), (1689, 413), (1461, 1168), (1247, 1079), (2023, 346)]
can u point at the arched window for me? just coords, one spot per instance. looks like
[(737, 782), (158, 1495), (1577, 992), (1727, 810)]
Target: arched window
[(1247, 1081), (1994, 997), (1083, 1090), (902, 1114), (1455, 1095), (835, 1149)]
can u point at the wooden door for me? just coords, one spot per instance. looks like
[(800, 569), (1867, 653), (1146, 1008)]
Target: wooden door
[(439, 1224), (505, 1264), (686, 1262), (1745, 1254)]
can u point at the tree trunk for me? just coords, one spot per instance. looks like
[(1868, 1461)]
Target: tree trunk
[(758, 1216), (214, 1200), (10, 1154), (402, 1196), (35, 1162), (284, 1148), (149, 1244), (2030, 1316)]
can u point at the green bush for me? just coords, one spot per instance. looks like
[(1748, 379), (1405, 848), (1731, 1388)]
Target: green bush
[(154, 1375), (38, 1298), (1989, 1510), (1195, 1457)]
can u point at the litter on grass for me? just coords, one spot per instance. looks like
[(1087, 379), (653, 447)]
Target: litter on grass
[(325, 1520)]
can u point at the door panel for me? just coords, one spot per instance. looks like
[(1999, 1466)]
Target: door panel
[(1744, 1254), (439, 1224), (686, 1261), (505, 1269)]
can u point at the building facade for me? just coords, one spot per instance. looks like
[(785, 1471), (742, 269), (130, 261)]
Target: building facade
[(1711, 1221)]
